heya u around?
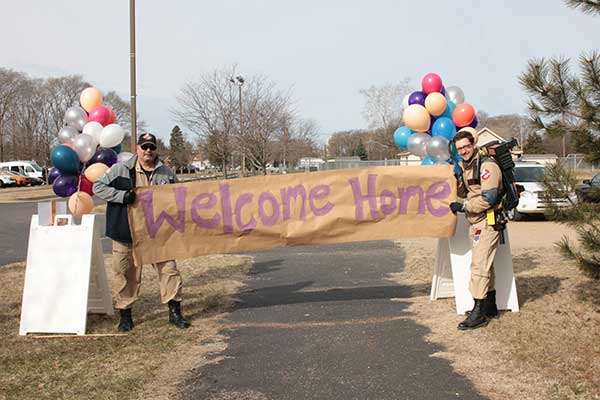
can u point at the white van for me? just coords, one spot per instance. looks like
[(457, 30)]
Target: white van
[(27, 168)]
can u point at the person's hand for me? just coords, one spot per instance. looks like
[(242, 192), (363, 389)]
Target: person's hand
[(129, 197), (457, 207)]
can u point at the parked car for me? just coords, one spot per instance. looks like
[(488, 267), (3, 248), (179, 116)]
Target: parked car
[(589, 190), (7, 180), (21, 180), (533, 199), (27, 168)]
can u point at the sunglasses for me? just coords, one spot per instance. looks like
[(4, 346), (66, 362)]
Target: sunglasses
[(148, 146)]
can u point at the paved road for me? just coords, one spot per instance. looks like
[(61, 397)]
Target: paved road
[(321, 322), (14, 231)]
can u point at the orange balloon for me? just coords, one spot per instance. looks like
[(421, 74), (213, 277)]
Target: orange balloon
[(463, 114), (80, 203), (416, 117), (95, 171), (90, 98), (435, 103)]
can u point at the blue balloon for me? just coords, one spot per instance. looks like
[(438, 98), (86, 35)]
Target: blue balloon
[(474, 123), (428, 161), (401, 136), (65, 159), (116, 149), (443, 126), (417, 98), (450, 106)]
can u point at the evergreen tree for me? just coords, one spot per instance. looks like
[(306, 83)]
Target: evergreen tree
[(360, 151), (179, 154), (534, 144)]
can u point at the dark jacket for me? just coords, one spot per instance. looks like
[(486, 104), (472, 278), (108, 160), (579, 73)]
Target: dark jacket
[(113, 185)]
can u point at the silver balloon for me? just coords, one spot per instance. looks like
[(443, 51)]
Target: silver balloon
[(85, 147), (417, 143), (455, 94), (76, 117), (437, 148), (67, 134)]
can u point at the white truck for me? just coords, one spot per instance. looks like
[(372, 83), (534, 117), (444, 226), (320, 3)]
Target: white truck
[(27, 168)]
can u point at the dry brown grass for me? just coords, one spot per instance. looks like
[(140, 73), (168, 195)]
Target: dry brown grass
[(29, 193), (548, 350), (146, 363)]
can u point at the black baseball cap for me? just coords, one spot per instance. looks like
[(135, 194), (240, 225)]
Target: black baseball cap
[(146, 138)]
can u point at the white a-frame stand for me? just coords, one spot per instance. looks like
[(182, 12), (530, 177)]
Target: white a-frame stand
[(452, 271), (65, 277)]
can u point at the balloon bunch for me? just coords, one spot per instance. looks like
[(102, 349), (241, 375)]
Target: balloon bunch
[(431, 117), (89, 144)]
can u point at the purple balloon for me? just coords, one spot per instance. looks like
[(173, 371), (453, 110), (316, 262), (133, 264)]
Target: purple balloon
[(474, 123), (417, 98), (52, 175), (104, 156), (443, 90), (65, 185)]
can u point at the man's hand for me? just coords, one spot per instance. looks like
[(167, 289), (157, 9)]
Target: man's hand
[(129, 197), (457, 207)]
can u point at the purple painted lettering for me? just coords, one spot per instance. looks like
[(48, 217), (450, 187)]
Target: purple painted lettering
[(434, 194), (359, 197), (153, 225), (241, 201), (388, 202), (198, 205), (406, 193), (317, 193), (268, 220), (286, 197), (226, 208)]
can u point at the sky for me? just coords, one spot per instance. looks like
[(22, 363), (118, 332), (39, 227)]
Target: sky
[(326, 51)]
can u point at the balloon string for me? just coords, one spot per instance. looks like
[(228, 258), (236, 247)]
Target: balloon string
[(79, 188)]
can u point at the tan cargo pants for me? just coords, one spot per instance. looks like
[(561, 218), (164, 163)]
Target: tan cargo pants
[(485, 242), (128, 277)]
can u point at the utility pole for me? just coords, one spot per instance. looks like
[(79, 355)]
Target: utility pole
[(239, 81), (286, 134), (132, 74)]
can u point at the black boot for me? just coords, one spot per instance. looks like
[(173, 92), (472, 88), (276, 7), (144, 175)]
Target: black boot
[(126, 323), (175, 316), (476, 318), (491, 310)]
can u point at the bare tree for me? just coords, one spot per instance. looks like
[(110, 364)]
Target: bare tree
[(383, 106), (10, 84)]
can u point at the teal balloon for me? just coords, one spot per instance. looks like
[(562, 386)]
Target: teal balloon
[(65, 160), (450, 106), (428, 161), (117, 148), (444, 126), (401, 136)]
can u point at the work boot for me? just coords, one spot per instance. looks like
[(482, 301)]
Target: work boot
[(491, 310), (126, 323), (476, 318), (175, 316)]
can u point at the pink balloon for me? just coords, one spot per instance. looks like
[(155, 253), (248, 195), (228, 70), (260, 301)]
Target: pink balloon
[(100, 114), (431, 83), (113, 117)]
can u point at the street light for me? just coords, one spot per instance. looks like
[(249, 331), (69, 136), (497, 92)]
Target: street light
[(239, 81)]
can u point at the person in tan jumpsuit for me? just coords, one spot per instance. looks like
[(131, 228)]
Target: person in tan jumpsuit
[(116, 186), (480, 195)]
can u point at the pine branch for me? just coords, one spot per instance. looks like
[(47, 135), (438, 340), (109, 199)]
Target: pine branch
[(590, 7)]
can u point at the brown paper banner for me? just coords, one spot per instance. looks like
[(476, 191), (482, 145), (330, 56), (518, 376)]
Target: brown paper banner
[(379, 203)]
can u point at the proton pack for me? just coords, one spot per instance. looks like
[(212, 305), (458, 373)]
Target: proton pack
[(499, 152)]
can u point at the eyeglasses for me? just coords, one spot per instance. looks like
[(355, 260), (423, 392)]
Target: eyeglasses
[(465, 147), (148, 146)]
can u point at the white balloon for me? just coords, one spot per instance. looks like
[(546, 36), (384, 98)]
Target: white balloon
[(67, 134), (85, 147), (111, 135), (405, 101), (94, 129), (124, 156), (455, 94), (417, 143)]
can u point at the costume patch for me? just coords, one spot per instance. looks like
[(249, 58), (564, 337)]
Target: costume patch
[(485, 174), (476, 237)]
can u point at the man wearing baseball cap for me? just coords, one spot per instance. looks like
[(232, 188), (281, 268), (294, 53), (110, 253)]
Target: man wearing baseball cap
[(117, 187)]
